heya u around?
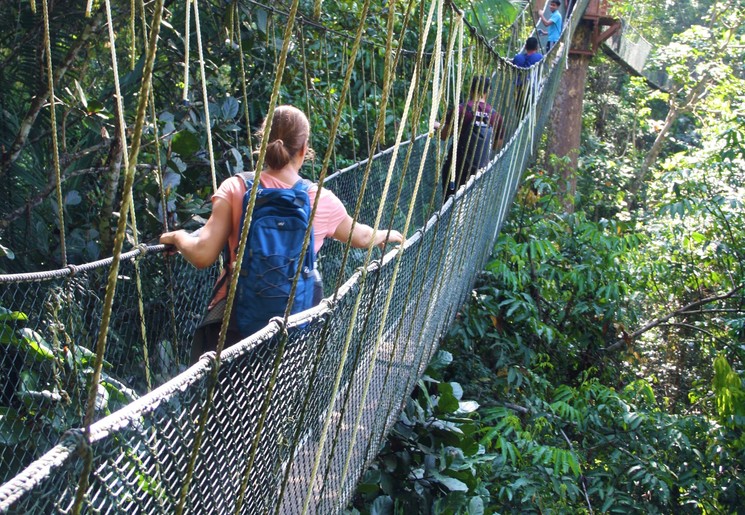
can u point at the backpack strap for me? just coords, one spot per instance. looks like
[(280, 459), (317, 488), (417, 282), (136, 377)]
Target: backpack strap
[(247, 178)]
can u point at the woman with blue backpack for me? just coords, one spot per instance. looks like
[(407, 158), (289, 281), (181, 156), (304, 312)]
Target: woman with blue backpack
[(280, 218)]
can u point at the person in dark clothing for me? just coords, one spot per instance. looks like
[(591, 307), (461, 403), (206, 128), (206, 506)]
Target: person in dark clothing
[(481, 133)]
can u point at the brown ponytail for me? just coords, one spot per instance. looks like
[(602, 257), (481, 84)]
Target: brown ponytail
[(289, 133)]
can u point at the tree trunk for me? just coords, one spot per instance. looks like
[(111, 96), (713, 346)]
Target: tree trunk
[(106, 227), (565, 122), (652, 155)]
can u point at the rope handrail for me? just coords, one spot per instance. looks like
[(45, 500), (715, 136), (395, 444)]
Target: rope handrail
[(71, 270), (144, 249)]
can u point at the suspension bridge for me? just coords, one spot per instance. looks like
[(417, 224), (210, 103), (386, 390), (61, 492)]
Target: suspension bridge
[(100, 411)]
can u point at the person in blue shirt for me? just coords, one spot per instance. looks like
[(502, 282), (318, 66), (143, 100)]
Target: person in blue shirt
[(525, 78), (552, 24), (530, 56)]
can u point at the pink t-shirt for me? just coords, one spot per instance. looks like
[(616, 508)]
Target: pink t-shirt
[(330, 213)]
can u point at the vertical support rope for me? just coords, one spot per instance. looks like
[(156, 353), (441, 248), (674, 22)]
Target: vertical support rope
[(244, 89), (332, 142), (365, 100), (232, 288), (118, 244), (379, 130), (187, 37), (456, 101), (55, 142), (348, 100), (239, 259), (205, 98), (119, 101), (133, 42), (164, 213), (317, 9), (396, 267), (324, 169), (307, 87), (434, 68)]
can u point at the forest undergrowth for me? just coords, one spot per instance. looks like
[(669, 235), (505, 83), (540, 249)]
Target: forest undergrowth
[(586, 374)]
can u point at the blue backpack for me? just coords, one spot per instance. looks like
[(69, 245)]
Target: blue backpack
[(272, 256)]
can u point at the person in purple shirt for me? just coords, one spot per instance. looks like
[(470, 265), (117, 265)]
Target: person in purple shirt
[(481, 133)]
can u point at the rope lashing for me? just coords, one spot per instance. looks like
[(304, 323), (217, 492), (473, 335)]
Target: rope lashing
[(205, 97)]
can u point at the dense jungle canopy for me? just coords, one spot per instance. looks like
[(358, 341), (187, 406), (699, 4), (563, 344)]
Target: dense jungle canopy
[(600, 363)]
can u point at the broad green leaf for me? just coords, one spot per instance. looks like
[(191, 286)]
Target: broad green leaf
[(81, 94), (476, 506), (447, 403), (229, 108), (6, 252), (467, 407), (441, 360), (6, 314), (452, 484), (34, 343), (73, 198), (382, 506), (185, 144), (13, 430), (457, 390)]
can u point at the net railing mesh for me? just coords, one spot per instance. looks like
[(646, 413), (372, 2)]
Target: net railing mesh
[(141, 449)]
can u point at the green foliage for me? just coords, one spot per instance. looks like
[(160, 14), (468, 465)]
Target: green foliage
[(492, 17), (44, 391), (578, 411), (432, 459)]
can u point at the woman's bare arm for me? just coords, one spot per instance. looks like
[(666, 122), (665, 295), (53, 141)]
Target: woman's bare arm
[(202, 248), (362, 234)]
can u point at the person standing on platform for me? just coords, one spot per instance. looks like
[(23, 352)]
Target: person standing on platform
[(552, 24)]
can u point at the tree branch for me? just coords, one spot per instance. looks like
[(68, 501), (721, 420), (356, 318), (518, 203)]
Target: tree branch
[(582, 478), (48, 189), (628, 338), (40, 99)]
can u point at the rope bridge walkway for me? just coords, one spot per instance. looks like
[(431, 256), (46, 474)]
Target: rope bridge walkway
[(287, 420)]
